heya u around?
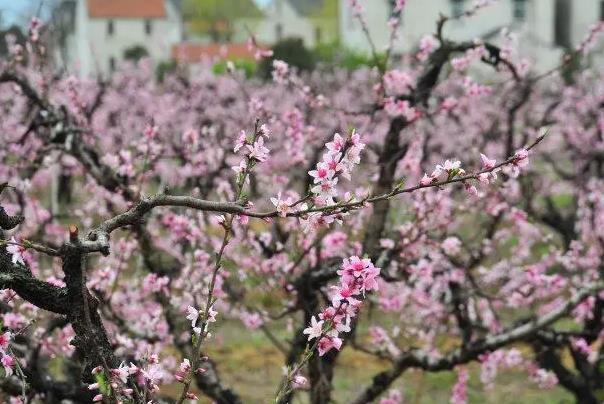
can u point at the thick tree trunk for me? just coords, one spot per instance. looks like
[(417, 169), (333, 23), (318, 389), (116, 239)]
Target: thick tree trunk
[(91, 340)]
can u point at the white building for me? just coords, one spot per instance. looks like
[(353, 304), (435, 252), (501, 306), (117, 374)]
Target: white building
[(92, 36), (291, 18), (282, 20), (545, 27)]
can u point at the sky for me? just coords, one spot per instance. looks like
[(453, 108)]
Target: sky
[(12, 10), (19, 11)]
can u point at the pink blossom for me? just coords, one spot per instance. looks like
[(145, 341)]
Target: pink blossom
[(393, 397), (449, 103), (426, 180), (471, 189), (34, 29), (322, 173), (487, 163), (328, 343), (544, 379), (280, 71), (252, 321), (151, 131), (427, 45), (183, 370), (5, 340), (460, 394), (240, 168), (8, 362), (241, 141), (451, 246), (193, 315), (283, 206), (326, 190), (315, 329), (258, 151), (16, 251), (398, 82), (521, 158), (336, 145), (299, 382), (121, 372), (400, 108)]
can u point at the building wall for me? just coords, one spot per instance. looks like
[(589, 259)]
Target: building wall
[(312, 30), (536, 30), (281, 14), (584, 13), (92, 47)]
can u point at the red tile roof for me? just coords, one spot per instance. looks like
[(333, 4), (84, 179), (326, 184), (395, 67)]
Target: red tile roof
[(194, 52), (126, 8)]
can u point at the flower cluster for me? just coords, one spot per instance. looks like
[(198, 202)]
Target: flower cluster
[(16, 251), (427, 45), (255, 147), (259, 53), (341, 156), (461, 63), (193, 316), (460, 389), (487, 175), (357, 275), (280, 71), (397, 108), (283, 204), (488, 165), (398, 82), (7, 360), (450, 167), (148, 376), (393, 397)]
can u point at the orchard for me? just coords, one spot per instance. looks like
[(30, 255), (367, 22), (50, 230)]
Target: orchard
[(442, 211)]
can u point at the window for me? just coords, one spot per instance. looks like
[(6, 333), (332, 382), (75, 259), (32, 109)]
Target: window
[(110, 28), (562, 23), (457, 8), (602, 10), (148, 27), (519, 10), (279, 32), (112, 64), (318, 35)]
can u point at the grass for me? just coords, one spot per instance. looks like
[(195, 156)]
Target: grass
[(248, 362)]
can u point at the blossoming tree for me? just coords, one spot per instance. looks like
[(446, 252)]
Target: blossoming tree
[(136, 215)]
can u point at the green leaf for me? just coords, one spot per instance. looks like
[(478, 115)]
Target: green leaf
[(104, 386)]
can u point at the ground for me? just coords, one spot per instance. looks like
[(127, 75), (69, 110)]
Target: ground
[(252, 365)]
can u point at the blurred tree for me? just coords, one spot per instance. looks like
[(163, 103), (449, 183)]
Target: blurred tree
[(214, 18), (13, 32), (292, 51), (135, 53)]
